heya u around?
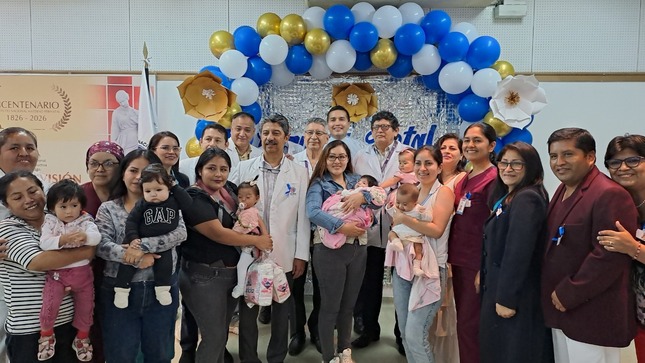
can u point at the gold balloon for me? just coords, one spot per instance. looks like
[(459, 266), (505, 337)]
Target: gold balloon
[(220, 42), (501, 128), (293, 29), (384, 54), (192, 147), (504, 68), (268, 23), (227, 119), (468, 167), (317, 41)]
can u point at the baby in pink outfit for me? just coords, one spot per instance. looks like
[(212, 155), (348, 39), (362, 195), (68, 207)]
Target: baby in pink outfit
[(364, 217), (248, 222)]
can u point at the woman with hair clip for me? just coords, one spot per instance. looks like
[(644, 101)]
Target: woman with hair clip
[(465, 246), (511, 324), (625, 160)]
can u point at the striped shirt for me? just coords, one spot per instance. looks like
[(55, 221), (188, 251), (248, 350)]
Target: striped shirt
[(23, 288)]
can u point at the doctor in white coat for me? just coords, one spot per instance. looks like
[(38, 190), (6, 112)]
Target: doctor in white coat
[(381, 161), (239, 146), (283, 187)]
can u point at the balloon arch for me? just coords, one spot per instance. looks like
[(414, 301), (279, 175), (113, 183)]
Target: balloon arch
[(404, 42)]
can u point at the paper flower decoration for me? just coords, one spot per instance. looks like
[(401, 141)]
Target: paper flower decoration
[(517, 99), (204, 97), (358, 98)]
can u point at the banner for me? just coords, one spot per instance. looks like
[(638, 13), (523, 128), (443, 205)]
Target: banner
[(70, 112)]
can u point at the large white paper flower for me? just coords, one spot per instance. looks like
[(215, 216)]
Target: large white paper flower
[(517, 99)]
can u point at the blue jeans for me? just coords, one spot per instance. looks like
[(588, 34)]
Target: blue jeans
[(414, 325), (144, 325)]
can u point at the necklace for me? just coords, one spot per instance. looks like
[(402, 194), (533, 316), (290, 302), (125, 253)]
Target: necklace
[(640, 205)]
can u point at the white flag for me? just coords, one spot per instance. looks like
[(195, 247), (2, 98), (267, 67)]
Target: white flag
[(147, 113)]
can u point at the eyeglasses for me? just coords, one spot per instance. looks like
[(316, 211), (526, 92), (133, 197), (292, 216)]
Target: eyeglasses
[(516, 165), (333, 158), (168, 148), (108, 164), (631, 162), (317, 133), (382, 127)]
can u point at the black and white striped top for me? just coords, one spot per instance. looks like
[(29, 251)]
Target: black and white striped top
[(23, 288)]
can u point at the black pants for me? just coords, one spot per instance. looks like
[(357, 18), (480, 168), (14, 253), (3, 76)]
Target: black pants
[(162, 269), (369, 301), (24, 348), (189, 331), (299, 317)]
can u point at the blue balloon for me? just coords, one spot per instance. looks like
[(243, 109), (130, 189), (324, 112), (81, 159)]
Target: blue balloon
[(458, 97), (199, 128), (255, 110), (338, 21), (363, 61), (518, 135), (453, 47), (247, 40), (472, 108), (409, 39), (499, 145), (258, 70), (363, 36), (431, 81), (483, 52), (298, 60), (226, 82), (436, 24), (402, 66)]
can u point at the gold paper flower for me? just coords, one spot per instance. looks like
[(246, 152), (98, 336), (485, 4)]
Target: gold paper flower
[(204, 97), (358, 98)]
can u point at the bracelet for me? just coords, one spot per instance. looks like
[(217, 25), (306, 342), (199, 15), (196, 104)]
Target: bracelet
[(638, 250)]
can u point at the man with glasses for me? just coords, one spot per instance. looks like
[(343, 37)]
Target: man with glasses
[(283, 187), (586, 295), (316, 138), (214, 135), (239, 146), (381, 161), (338, 124)]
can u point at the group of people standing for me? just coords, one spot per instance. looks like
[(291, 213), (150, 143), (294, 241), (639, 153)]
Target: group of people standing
[(533, 280)]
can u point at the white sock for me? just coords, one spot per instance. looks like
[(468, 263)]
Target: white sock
[(242, 267), (163, 295), (121, 296)]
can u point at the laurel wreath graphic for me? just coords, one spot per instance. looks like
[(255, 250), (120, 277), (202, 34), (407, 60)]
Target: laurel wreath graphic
[(67, 113)]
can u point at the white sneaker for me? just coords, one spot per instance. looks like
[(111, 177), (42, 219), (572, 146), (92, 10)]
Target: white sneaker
[(121, 296), (163, 295), (346, 356)]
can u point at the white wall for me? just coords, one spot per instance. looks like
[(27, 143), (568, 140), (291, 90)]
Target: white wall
[(104, 36)]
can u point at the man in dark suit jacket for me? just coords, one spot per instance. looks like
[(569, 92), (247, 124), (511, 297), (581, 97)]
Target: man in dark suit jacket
[(586, 293)]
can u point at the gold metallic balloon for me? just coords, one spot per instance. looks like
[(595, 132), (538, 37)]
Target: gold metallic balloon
[(220, 42), (293, 29), (468, 167), (227, 119), (192, 147), (317, 41), (501, 128), (504, 68), (268, 23), (384, 54)]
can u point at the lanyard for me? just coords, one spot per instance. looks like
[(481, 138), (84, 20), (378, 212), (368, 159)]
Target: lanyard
[(389, 156), (498, 204)]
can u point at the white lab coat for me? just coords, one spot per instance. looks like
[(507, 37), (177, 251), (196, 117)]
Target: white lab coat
[(289, 226), (367, 163), (235, 158)]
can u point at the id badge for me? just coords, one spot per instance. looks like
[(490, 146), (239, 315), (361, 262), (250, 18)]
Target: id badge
[(640, 234), (463, 203)]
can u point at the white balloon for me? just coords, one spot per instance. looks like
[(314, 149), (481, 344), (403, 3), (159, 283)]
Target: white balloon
[(485, 81), (387, 19), (427, 60), (273, 49), (341, 56), (363, 11), (281, 75), (313, 17), (455, 77), (411, 13), (247, 91), (319, 68), (233, 63), (466, 29)]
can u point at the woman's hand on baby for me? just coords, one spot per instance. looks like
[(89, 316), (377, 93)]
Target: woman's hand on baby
[(353, 202), (351, 229), (132, 255), (74, 239), (147, 260), (263, 242)]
